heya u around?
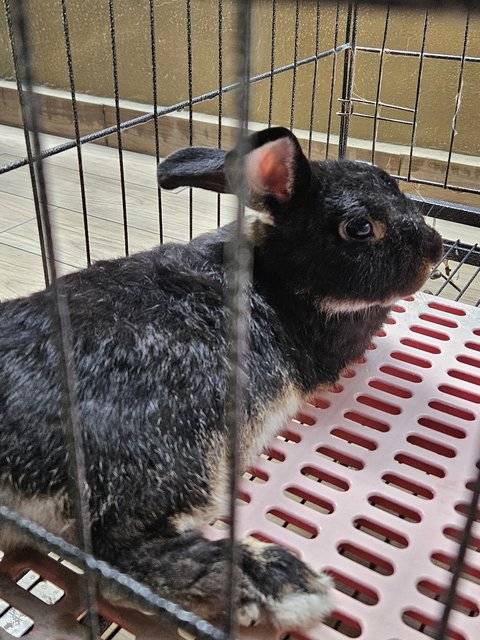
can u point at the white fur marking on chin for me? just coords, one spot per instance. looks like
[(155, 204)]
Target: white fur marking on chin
[(334, 306), (299, 610)]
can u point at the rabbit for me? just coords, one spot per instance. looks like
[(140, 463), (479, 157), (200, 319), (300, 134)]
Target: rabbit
[(335, 244)]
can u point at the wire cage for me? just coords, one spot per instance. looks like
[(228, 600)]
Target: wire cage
[(376, 478)]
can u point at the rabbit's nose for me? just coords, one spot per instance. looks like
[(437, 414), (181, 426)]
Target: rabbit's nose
[(433, 245)]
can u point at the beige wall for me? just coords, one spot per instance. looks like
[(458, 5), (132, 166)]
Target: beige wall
[(93, 70)]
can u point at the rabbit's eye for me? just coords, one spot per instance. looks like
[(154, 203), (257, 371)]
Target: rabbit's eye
[(360, 229)]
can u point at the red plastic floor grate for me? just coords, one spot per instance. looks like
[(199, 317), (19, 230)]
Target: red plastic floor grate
[(372, 480)]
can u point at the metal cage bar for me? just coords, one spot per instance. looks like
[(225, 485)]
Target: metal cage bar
[(239, 259)]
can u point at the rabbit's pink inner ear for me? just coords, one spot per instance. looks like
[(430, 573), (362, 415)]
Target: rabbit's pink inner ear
[(270, 169)]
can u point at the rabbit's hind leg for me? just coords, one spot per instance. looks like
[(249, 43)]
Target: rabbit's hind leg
[(53, 512), (274, 587)]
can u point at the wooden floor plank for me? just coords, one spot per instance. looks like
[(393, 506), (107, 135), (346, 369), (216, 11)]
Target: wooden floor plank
[(106, 238), (14, 210), (104, 200), (21, 272)]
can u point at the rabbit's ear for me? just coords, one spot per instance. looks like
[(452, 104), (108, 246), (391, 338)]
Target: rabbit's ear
[(194, 167), (268, 167), (273, 168)]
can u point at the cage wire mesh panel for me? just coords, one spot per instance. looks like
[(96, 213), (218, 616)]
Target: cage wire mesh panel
[(311, 68), (373, 480), (413, 83)]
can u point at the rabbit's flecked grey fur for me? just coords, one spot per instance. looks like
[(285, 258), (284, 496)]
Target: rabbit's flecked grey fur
[(150, 340)]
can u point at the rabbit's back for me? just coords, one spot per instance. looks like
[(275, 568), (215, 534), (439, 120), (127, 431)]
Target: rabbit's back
[(150, 351)]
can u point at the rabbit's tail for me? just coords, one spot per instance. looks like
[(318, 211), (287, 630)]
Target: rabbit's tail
[(274, 587)]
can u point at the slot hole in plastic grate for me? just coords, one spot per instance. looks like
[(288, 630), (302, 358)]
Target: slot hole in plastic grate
[(421, 346), (394, 508), (420, 465), (380, 532), (220, 524), (456, 535), (304, 419), (354, 438), (347, 373), (318, 504), (450, 410), (353, 589), (408, 486), (340, 458), (66, 563), (429, 333), (381, 334), (470, 484), (446, 562), (392, 389), (255, 475), (272, 455), (243, 499), (367, 421), (344, 624), (444, 322), (446, 308), (464, 507), (390, 320), (471, 362), (400, 373), (431, 445), (441, 427), (109, 630), (409, 359), (438, 593), (261, 537), (289, 436), (459, 393), (3, 606), (325, 478), (365, 558), (44, 590), (320, 403), (473, 345), (427, 626), (292, 523), (398, 308), (335, 388), (115, 632), (462, 375), (380, 405), (14, 622)]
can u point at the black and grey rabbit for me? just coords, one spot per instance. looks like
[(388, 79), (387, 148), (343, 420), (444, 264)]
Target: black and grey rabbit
[(335, 245)]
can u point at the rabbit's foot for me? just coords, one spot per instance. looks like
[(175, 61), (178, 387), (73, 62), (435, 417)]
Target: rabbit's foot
[(292, 595), (273, 586)]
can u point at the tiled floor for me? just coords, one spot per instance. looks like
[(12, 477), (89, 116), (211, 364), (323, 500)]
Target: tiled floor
[(20, 255)]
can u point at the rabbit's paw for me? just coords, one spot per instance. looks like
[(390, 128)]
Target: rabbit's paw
[(273, 587), (249, 610), (294, 596)]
